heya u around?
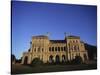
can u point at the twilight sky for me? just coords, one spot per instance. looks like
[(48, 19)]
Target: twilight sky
[(33, 18)]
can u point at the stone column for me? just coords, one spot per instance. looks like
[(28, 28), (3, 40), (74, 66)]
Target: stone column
[(68, 52), (22, 62), (29, 58)]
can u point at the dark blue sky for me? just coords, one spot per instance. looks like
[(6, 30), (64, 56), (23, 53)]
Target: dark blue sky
[(33, 18)]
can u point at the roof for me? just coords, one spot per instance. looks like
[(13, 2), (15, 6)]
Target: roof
[(40, 36), (57, 41), (71, 36)]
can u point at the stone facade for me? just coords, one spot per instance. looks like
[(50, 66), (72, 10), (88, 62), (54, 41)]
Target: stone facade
[(55, 50)]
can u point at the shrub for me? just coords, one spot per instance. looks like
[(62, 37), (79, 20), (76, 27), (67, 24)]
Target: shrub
[(77, 60), (36, 61)]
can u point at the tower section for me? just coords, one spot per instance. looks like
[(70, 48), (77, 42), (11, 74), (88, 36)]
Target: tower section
[(75, 48), (39, 47)]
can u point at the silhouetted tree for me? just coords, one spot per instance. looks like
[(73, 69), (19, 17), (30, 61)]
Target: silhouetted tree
[(92, 51), (13, 58), (19, 60)]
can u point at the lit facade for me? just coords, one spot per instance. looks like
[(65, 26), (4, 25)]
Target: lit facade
[(55, 50)]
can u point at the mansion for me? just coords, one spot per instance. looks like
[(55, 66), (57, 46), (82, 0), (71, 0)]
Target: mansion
[(55, 50)]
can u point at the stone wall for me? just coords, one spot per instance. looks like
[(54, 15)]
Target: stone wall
[(55, 50)]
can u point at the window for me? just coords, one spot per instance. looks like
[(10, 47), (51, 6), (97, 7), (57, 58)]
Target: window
[(42, 49), (64, 48), (39, 49), (70, 41), (63, 58), (76, 41), (49, 48), (58, 48), (51, 59), (55, 48), (52, 48), (61, 48)]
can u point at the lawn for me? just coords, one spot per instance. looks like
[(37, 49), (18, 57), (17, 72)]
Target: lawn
[(23, 69)]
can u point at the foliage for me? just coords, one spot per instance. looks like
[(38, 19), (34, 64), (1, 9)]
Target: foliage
[(18, 60), (36, 61), (13, 58), (92, 51), (77, 60)]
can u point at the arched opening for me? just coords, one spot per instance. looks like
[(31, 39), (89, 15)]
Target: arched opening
[(51, 59), (85, 57), (55, 48), (63, 58), (52, 48), (77, 60), (58, 48), (61, 48), (57, 59), (39, 49), (64, 48), (49, 48), (42, 49), (26, 60)]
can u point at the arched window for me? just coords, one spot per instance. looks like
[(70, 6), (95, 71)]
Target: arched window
[(64, 48), (58, 48), (76, 41), (63, 58), (51, 59), (57, 59), (42, 49), (61, 48), (39, 49), (49, 48), (55, 48), (52, 48), (70, 41)]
